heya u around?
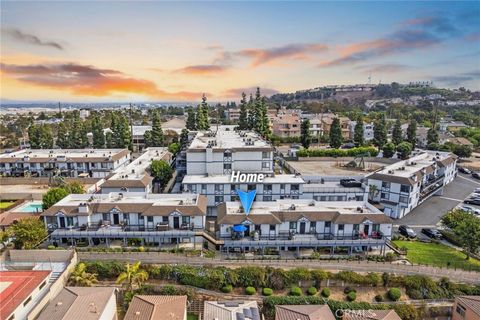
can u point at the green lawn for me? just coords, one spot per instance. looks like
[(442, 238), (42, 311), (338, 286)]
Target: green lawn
[(191, 316), (5, 204), (437, 254)]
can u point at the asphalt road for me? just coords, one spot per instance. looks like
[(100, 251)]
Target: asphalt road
[(429, 213)]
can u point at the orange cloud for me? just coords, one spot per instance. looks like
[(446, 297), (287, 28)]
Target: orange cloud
[(89, 81), (291, 51), (202, 70)]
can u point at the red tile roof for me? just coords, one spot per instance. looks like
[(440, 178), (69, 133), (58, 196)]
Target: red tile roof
[(19, 286)]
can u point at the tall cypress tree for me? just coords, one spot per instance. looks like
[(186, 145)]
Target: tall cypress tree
[(257, 112), (265, 127), (76, 131), (358, 133), (154, 137), (380, 132), (191, 121), (397, 136), (97, 132), (243, 119), (432, 136), (251, 113), (305, 137), (205, 113), (412, 133), (34, 136), (63, 136), (336, 138)]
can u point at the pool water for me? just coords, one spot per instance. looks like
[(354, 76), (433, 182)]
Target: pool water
[(31, 207)]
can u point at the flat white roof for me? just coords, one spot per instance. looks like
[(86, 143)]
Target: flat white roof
[(163, 199), (414, 164), (68, 153), (225, 179), (227, 138), (137, 169)]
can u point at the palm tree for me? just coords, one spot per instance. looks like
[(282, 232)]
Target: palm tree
[(132, 275), (81, 278)]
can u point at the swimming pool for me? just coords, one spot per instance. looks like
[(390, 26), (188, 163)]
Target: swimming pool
[(30, 207)]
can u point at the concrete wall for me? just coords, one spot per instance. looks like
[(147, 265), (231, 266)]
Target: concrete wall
[(40, 255)]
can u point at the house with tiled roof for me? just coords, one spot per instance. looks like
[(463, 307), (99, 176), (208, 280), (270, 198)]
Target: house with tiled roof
[(153, 307), (231, 310), (370, 315), (303, 312), (466, 308)]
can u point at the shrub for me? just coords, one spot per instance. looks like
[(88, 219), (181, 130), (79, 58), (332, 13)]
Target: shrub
[(394, 294), (250, 291), (141, 249), (312, 291), (295, 291), (379, 298), (351, 296), (227, 289), (267, 292), (349, 289), (325, 292), (51, 247), (353, 152)]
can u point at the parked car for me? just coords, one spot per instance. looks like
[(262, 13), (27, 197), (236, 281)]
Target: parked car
[(407, 231), (464, 170), (350, 183), (432, 233), (475, 201), (477, 190), (476, 175)]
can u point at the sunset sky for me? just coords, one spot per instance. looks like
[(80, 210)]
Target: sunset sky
[(165, 51)]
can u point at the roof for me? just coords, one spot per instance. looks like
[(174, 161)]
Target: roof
[(74, 303), (370, 315), (471, 302), (152, 307), (231, 310), (64, 155), (130, 202), (7, 218), (16, 287), (303, 312)]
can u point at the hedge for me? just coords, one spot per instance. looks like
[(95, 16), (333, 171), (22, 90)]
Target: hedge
[(379, 298), (267, 292), (227, 288), (353, 152), (295, 291), (325, 292), (351, 296), (250, 291), (312, 291), (394, 294)]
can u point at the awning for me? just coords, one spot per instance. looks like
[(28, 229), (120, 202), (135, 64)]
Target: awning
[(239, 228)]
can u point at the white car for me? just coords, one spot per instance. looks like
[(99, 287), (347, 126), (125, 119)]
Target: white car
[(470, 210)]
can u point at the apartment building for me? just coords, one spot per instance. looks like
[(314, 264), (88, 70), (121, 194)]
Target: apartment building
[(287, 224), (134, 177), (402, 186), (286, 125), (367, 130), (101, 218), (320, 125), (95, 163)]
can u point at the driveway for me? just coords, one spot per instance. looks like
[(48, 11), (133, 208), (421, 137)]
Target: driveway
[(429, 213)]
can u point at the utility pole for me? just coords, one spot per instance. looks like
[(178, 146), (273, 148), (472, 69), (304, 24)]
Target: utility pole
[(59, 110)]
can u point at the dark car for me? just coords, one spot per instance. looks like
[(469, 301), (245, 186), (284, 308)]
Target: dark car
[(432, 233), (350, 183), (407, 231), (476, 175), (464, 170), (475, 201)]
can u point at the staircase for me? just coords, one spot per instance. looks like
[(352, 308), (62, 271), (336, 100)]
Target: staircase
[(54, 276)]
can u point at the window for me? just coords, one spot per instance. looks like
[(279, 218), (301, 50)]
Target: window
[(404, 188), (385, 185), (376, 228), (266, 165), (251, 187), (69, 221), (272, 227), (295, 187), (218, 199), (265, 155), (403, 199), (356, 227), (294, 197), (267, 187), (358, 198), (282, 186), (313, 226), (384, 195), (44, 283), (233, 187), (105, 217), (186, 220), (460, 310), (219, 187), (267, 198), (227, 166), (293, 225), (27, 301), (341, 227), (150, 219), (227, 154), (165, 219), (328, 224), (234, 198), (192, 188), (341, 198)]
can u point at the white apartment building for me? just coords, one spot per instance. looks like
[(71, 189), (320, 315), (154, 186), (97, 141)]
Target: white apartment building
[(287, 224), (154, 218), (367, 130), (95, 163), (402, 186), (134, 176)]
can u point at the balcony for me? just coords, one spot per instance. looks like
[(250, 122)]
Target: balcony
[(431, 187)]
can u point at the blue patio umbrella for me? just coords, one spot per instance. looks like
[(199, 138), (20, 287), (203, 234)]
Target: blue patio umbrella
[(239, 228)]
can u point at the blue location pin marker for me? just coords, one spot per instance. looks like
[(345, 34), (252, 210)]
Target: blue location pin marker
[(246, 198)]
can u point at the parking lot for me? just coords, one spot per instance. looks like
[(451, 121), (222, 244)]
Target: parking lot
[(429, 213)]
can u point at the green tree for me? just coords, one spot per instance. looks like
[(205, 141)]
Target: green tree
[(306, 137), (162, 171), (358, 133), (336, 138), (191, 120), (40, 137), (121, 132), (154, 137), (183, 138), (243, 118), (257, 111), (97, 132), (76, 131), (63, 140), (251, 113), (412, 133), (81, 278), (432, 136), (404, 150), (27, 232), (266, 132), (174, 147), (52, 196), (468, 231), (388, 150), (380, 132), (132, 276), (462, 151), (202, 122), (34, 136), (397, 136)]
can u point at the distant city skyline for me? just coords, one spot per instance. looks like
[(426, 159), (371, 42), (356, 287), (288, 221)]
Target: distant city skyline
[(176, 51)]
